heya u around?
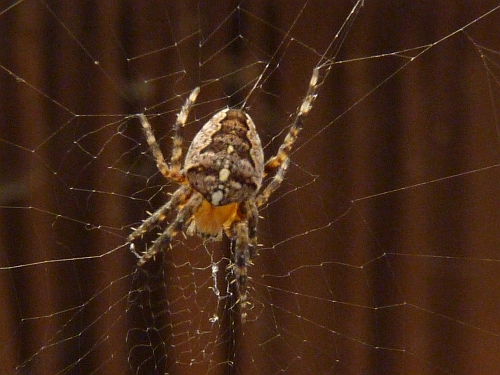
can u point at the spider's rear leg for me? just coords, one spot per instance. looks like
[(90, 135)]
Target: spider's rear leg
[(273, 185), (280, 161), (174, 170), (175, 161), (304, 109)]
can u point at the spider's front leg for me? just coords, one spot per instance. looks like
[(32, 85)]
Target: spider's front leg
[(165, 238), (244, 236)]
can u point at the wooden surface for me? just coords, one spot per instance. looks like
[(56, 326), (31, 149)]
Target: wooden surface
[(381, 254)]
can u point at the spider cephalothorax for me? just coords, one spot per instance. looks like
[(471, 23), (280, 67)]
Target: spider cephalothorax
[(220, 183)]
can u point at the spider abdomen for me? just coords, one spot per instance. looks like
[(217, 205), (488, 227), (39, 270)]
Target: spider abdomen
[(225, 161)]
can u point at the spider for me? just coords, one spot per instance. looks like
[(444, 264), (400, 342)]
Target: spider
[(220, 183)]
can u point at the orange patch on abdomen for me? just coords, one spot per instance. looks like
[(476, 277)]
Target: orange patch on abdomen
[(210, 219)]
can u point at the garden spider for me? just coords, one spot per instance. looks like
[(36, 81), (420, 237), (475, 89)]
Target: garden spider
[(220, 183)]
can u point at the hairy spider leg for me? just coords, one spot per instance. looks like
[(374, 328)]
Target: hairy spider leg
[(179, 197), (274, 184), (175, 162), (164, 239), (281, 161), (244, 233), (174, 171), (304, 109)]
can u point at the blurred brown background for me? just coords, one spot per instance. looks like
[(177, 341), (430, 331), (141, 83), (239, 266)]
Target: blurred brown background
[(381, 250)]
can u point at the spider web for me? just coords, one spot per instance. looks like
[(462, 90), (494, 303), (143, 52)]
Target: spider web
[(379, 251)]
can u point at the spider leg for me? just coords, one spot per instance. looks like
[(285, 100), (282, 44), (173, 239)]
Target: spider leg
[(153, 145), (240, 265), (179, 197), (285, 148), (280, 161), (164, 239), (174, 171), (244, 234), (252, 217), (275, 183), (175, 161)]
